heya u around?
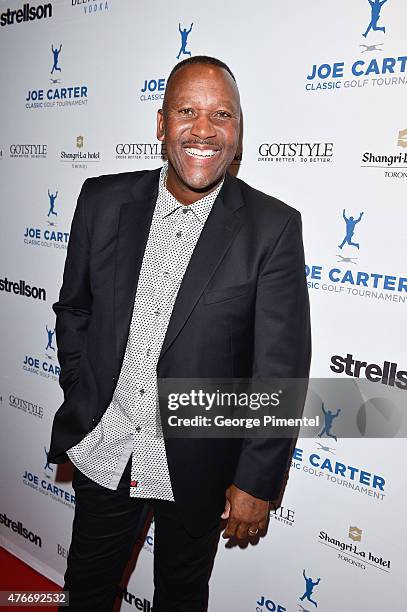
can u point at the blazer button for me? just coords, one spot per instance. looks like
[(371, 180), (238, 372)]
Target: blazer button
[(114, 378)]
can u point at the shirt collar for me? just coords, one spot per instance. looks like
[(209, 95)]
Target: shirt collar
[(167, 204)]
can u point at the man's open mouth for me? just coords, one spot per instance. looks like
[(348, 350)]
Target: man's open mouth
[(200, 153)]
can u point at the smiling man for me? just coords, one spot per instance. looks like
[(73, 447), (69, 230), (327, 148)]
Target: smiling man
[(180, 272)]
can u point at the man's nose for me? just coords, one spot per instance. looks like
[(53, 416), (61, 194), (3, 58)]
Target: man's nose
[(203, 127)]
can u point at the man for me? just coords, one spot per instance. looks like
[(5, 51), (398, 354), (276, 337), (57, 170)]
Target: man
[(183, 272)]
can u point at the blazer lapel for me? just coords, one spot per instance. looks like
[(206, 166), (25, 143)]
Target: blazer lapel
[(134, 225), (216, 237)]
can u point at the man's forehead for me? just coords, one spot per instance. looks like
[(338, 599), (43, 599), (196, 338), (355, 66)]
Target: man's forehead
[(190, 77)]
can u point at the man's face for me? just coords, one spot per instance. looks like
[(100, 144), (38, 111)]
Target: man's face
[(200, 126)]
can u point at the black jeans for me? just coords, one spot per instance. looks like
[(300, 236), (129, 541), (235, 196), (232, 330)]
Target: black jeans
[(105, 528)]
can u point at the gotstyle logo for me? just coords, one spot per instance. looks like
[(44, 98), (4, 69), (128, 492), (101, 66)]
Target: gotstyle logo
[(141, 150), (22, 288), (282, 514), (355, 555), (28, 151), (55, 96), (291, 152), (91, 7), (26, 13), (26, 406), (18, 527)]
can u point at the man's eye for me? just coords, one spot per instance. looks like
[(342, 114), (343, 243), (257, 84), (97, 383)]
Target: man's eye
[(188, 112), (222, 114)]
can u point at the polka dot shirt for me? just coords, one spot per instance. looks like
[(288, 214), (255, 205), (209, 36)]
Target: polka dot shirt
[(128, 427)]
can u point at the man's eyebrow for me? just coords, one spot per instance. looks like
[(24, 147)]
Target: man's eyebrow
[(219, 104)]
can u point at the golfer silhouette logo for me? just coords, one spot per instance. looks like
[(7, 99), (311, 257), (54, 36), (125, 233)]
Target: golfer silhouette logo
[(52, 197), (329, 419), (50, 336), (376, 7), (55, 53), (47, 466), (184, 38), (350, 230), (309, 587)]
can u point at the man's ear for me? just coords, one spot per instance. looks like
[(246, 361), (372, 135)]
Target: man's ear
[(160, 125)]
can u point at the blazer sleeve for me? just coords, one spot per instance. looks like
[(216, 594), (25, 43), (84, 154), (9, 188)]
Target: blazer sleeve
[(74, 306), (282, 349)]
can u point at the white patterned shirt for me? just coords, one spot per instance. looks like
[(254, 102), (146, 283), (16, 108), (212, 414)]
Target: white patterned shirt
[(128, 427)]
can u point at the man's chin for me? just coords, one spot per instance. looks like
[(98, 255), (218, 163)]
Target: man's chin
[(203, 185)]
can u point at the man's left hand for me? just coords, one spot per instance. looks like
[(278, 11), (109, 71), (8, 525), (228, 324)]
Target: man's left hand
[(246, 514)]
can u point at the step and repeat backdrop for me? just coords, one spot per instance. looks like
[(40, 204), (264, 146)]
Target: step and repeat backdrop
[(323, 88)]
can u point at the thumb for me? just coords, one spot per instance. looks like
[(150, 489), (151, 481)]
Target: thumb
[(225, 514)]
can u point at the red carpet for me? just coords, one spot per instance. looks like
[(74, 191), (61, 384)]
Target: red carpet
[(16, 575)]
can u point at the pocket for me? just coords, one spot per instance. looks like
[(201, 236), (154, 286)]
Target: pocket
[(226, 293)]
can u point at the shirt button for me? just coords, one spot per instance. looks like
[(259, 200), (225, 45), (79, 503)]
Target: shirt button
[(178, 234), (185, 210), (138, 429), (157, 313), (148, 351), (142, 391)]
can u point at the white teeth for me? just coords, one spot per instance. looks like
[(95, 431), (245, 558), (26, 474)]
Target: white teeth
[(199, 153)]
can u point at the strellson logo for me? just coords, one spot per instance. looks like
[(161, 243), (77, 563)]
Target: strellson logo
[(387, 373), (27, 13), (290, 152), (26, 406), (140, 604), (28, 151), (49, 236), (22, 288), (141, 150), (18, 527), (55, 96)]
